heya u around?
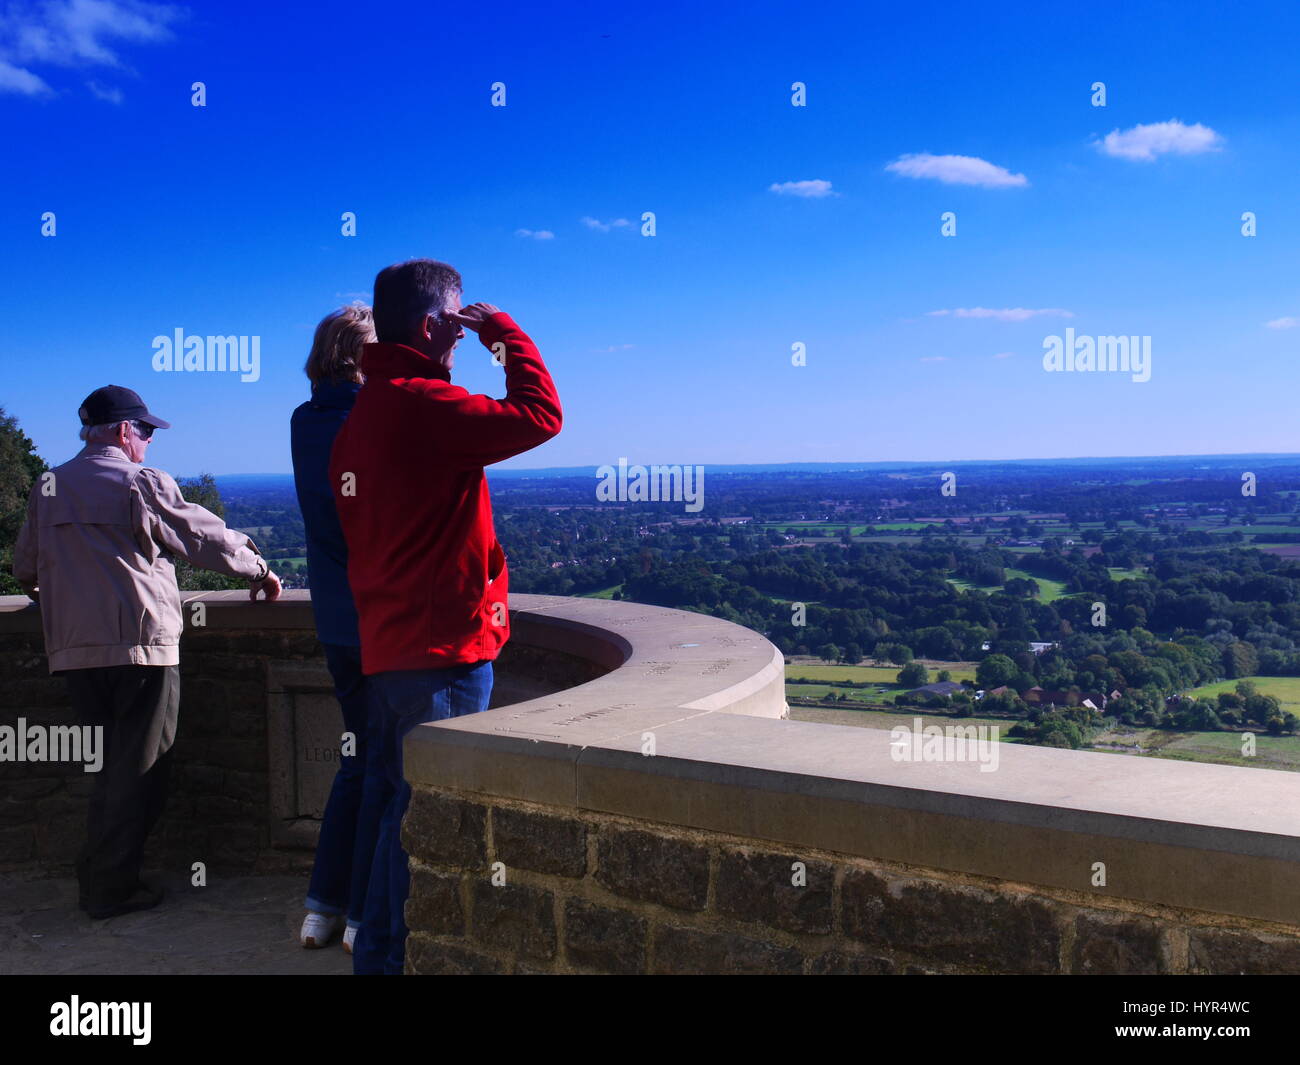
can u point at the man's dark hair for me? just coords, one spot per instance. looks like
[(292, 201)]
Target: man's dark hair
[(406, 292)]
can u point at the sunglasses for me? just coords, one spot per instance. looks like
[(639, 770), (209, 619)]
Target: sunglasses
[(146, 432)]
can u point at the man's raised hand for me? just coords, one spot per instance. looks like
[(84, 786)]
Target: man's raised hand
[(473, 316)]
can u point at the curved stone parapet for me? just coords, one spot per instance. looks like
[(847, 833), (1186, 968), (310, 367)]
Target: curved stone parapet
[(636, 800), (665, 818)]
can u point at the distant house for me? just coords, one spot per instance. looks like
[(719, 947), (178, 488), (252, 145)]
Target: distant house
[(1038, 647), (939, 687)]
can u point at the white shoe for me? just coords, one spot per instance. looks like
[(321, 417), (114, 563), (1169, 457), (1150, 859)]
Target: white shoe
[(318, 929), (349, 936)]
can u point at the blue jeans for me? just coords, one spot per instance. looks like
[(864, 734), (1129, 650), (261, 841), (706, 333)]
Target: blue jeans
[(400, 700), (351, 823)]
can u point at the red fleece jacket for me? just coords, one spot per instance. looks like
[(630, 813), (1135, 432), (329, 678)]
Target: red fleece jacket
[(427, 573)]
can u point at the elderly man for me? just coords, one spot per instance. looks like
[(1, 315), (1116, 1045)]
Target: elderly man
[(96, 551), (426, 570)]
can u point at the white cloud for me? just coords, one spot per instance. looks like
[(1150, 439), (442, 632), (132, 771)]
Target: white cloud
[(956, 170), (536, 234), (76, 33), (813, 189), (1283, 323), (1003, 314), (605, 227), (1145, 142), (23, 82), (934, 358), (107, 93)]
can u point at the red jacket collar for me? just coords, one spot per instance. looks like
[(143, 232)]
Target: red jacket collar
[(388, 360)]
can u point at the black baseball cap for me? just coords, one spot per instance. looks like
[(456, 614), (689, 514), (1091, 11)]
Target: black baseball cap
[(113, 403)]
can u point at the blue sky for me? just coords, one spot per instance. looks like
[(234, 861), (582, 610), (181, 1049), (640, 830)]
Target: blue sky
[(225, 219)]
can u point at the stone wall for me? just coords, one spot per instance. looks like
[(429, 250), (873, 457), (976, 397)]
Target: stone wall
[(581, 892), (256, 707), (217, 809)]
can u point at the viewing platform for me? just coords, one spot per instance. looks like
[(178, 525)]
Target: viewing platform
[(637, 800)]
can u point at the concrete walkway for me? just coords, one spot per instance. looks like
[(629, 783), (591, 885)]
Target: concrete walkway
[(238, 925)]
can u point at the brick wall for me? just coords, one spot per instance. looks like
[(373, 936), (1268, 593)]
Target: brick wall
[(588, 893)]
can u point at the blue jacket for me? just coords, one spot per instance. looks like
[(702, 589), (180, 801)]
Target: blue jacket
[(312, 431)]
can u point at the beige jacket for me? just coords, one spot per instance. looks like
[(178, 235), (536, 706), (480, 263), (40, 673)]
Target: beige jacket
[(96, 546)]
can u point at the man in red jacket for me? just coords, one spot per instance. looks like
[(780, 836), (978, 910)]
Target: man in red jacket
[(427, 573)]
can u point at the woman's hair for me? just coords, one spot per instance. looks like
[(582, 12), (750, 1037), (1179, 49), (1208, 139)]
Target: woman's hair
[(336, 348)]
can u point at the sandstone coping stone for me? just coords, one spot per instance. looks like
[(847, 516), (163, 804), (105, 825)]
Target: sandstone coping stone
[(1222, 839)]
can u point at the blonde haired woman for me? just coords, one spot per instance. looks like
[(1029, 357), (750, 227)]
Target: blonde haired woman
[(350, 825)]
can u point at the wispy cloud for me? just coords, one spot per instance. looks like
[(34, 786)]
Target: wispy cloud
[(604, 227), (934, 358), (23, 82), (1146, 142), (535, 234), (76, 33), (956, 170), (812, 189), (1005, 355), (1283, 323), (615, 347), (1003, 314), (105, 93)]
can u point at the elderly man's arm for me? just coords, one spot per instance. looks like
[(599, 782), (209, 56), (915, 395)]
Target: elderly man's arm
[(25, 550), (195, 534)]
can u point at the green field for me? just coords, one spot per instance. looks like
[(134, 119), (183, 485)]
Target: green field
[(873, 674), (884, 686), (1287, 690), (1219, 748), (1049, 590), (887, 719), (604, 593)]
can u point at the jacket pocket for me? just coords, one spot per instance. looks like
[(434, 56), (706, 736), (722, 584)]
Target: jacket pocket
[(496, 562), (494, 595)]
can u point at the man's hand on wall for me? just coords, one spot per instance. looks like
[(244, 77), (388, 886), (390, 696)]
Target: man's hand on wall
[(268, 585)]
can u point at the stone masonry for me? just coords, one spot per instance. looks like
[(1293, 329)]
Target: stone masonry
[(217, 807), (500, 886)]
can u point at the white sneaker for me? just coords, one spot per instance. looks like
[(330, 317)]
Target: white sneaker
[(318, 929), (349, 936)]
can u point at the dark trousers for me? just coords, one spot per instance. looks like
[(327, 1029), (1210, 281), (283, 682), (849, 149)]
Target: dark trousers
[(400, 700), (137, 707), (350, 825)]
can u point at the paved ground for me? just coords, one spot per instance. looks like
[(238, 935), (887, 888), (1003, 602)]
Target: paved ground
[(238, 925)]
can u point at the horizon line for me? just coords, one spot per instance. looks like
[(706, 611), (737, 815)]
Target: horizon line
[(588, 468)]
